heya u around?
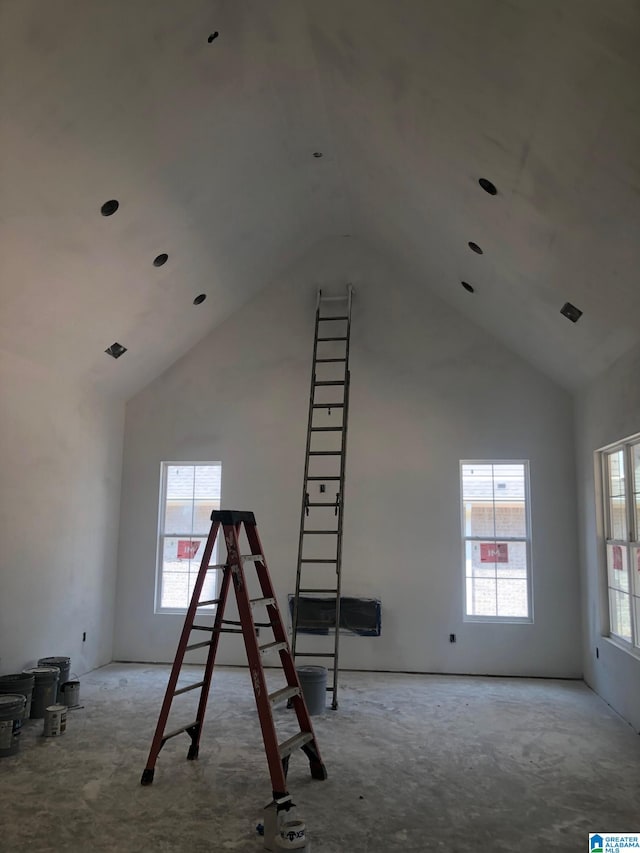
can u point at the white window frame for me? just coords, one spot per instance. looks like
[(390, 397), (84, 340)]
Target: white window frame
[(526, 539), (630, 544), (164, 467)]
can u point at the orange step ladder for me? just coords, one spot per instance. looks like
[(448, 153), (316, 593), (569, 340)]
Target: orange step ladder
[(278, 753)]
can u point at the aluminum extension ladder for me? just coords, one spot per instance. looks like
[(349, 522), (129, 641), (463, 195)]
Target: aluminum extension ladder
[(322, 518), (233, 570)]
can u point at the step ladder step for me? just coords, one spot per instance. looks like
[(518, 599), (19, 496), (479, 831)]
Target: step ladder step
[(202, 628), (179, 731), (207, 603), (327, 360), (318, 561), (193, 646), (324, 319), (322, 503), (322, 479), (188, 688), (318, 591), (325, 453), (328, 405), (283, 693), (272, 647), (330, 382), (291, 744), (315, 654), (321, 532), (327, 429), (337, 338), (254, 602)]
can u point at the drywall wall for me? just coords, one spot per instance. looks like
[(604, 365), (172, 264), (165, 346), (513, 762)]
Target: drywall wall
[(61, 456), (428, 388), (606, 411)]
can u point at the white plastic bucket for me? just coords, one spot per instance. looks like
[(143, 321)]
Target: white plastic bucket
[(292, 836), (55, 720)]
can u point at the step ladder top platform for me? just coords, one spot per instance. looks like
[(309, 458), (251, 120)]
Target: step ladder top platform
[(233, 516)]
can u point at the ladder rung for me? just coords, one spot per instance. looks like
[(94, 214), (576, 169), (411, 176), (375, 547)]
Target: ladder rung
[(328, 405), (345, 317), (188, 688), (291, 744), (179, 731), (325, 453), (322, 503), (330, 382), (319, 561), (323, 478), (197, 646), (283, 693), (320, 532), (256, 558), (211, 601), (217, 566), (327, 360), (339, 338), (202, 628), (315, 655), (272, 647), (327, 429), (326, 591), (255, 601)]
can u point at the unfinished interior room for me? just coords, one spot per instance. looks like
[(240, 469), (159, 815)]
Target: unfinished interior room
[(319, 425)]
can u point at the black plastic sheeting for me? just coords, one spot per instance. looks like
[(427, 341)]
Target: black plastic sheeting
[(362, 616)]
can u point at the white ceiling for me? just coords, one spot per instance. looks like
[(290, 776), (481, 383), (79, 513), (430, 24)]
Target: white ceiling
[(209, 149)]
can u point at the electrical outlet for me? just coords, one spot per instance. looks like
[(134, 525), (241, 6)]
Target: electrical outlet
[(452, 638)]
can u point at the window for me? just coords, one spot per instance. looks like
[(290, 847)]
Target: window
[(496, 541), (621, 499), (189, 491)]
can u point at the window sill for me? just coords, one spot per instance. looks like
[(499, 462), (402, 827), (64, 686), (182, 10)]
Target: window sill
[(623, 646), (499, 620)]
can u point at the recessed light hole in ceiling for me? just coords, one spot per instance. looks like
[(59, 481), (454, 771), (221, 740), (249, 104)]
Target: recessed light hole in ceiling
[(160, 260), (200, 299), (467, 286), (213, 36), (116, 350), (475, 248), (109, 207), (488, 187), (571, 312), (317, 154)]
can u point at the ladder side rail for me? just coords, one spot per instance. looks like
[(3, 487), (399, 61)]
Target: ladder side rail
[(156, 743), (343, 466), (286, 658), (258, 681), (211, 659), (294, 620)]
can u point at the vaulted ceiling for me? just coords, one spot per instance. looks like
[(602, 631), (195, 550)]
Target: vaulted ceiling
[(208, 145)]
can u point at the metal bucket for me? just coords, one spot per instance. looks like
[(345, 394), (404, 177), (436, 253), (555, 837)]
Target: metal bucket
[(70, 693)]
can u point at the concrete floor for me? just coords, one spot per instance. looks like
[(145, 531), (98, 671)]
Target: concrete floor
[(415, 763)]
